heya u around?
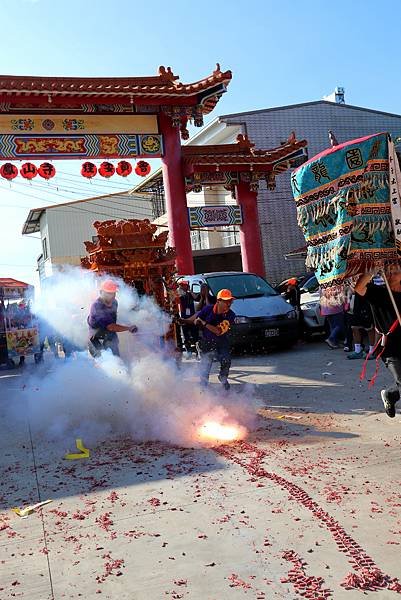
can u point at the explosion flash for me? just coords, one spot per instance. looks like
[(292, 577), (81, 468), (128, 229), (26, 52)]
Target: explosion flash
[(217, 432)]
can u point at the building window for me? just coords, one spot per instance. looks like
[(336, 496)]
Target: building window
[(199, 240), (230, 237), (44, 247)]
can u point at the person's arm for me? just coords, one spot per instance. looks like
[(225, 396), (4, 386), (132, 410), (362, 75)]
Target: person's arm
[(212, 328), (217, 330), (362, 283), (187, 321), (116, 328)]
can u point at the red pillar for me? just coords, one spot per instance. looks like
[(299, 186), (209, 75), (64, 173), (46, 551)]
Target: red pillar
[(251, 244), (176, 199)]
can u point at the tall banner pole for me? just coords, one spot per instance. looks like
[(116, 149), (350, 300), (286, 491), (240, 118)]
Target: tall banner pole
[(397, 312), (395, 204)]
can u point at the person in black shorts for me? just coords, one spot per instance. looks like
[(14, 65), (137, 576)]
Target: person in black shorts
[(385, 317), (362, 324)]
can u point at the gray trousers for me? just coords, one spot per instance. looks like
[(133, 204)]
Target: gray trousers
[(206, 360)]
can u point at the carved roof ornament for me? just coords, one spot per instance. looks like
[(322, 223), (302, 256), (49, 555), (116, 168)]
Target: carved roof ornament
[(217, 70), (244, 142), (292, 138), (167, 74)]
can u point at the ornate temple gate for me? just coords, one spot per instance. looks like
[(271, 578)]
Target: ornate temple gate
[(138, 117)]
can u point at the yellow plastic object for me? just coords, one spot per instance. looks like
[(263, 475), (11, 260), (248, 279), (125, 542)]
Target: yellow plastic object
[(28, 510), (84, 451), (288, 417)]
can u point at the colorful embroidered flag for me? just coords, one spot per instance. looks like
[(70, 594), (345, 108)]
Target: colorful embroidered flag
[(343, 208)]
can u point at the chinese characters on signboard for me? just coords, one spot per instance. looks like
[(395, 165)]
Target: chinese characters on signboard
[(213, 216), (395, 197)]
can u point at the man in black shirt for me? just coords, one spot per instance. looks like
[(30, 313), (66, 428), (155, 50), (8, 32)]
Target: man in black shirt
[(384, 316)]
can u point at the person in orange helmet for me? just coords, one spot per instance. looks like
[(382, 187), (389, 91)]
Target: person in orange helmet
[(292, 293), (215, 321), (102, 321)]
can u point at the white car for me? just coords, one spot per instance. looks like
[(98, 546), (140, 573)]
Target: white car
[(310, 306)]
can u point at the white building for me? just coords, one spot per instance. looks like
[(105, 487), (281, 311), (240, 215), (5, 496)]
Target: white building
[(65, 227)]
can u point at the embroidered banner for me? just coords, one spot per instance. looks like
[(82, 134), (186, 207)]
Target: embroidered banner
[(343, 209)]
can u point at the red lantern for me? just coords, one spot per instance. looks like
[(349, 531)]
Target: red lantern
[(28, 171), (8, 171), (142, 168), (88, 170), (46, 170), (124, 168), (106, 169)]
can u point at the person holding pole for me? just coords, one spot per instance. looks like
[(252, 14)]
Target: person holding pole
[(385, 302)]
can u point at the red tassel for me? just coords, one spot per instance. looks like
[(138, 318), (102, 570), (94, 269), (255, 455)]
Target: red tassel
[(378, 357)]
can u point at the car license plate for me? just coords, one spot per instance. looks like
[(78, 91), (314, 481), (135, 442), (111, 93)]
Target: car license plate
[(272, 332)]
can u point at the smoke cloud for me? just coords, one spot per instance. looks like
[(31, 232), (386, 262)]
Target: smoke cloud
[(145, 396)]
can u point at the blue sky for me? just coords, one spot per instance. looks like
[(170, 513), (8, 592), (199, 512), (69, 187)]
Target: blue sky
[(280, 52)]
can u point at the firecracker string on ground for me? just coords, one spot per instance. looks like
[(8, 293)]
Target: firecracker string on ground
[(368, 576)]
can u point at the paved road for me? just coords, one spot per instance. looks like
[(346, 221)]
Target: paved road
[(310, 499)]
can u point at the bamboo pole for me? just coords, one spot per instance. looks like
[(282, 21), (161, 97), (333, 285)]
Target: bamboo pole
[(397, 312)]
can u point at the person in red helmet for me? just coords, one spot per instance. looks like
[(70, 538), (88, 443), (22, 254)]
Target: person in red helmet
[(292, 293), (102, 321), (215, 321)]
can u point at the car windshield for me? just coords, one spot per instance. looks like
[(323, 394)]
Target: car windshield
[(243, 285), (311, 285)]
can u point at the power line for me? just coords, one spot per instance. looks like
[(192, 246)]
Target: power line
[(107, 198), (72, 206), (80, 209)]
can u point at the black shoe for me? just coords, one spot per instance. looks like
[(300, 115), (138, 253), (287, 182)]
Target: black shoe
[(389, 403), (224, 382)]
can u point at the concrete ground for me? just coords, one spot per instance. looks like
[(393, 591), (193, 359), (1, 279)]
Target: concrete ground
[(310, 500)]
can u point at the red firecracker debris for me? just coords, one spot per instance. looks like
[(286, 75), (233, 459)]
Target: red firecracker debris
[(104, 521), (113, 497), (307, 586), (111, 567), (154, 501), (236, 581), (251, 457)]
